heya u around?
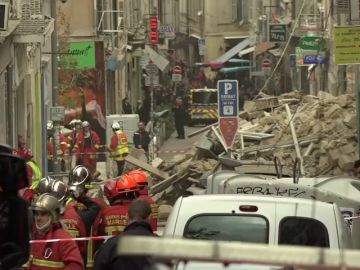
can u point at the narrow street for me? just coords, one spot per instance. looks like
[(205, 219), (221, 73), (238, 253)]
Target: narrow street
[(173, 146)]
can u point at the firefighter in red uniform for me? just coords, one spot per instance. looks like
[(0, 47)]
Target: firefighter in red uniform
[(119, 192), (76, 125), (82, 214), (87, 145), (141, 178), (52, 255)]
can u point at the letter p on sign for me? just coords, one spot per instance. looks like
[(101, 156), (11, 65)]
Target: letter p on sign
[(228, 87)]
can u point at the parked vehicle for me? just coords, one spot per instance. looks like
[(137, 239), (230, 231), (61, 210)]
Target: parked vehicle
[(259, 219), (202, 106)]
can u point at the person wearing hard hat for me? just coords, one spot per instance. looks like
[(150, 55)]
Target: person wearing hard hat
[(119, 192), (142, 180), (51, 255), (118, 148), (87, 145), (82, 214)]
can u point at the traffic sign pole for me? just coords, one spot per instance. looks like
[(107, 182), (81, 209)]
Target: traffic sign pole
[(228, 105)]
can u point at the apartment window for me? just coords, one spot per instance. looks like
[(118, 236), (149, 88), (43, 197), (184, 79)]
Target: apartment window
[(237, 10)]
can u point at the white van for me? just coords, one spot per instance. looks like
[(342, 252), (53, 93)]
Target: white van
[(259, 219)]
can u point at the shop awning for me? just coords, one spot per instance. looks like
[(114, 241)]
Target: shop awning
[(236, 49), (234, 69), (247, 51), (263, 47)]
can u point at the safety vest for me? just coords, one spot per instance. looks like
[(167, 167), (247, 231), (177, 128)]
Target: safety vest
[(115, 219), (122, 146), (36, 176)]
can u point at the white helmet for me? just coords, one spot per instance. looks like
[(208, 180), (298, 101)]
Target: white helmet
[(115, 126), (73, 122), (50, 125), (85, 124)]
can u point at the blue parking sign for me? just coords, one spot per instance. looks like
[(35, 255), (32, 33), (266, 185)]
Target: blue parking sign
[(228, 100)]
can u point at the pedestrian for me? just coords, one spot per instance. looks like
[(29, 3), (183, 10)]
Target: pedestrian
[(142, 180), (82, 215), (87, 145), (126, 107), (180, 118), (141, 139), (52, 255), (107, 258), (120, 193), (118, 148)]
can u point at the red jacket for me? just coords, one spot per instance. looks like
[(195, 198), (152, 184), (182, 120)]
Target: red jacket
[(115, 218), (55, 255), (77, 228), (87, 151), (154, 208), (64, 146)]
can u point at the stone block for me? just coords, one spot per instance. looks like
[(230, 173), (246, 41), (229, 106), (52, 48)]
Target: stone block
[(350, 120), (347, 149), (164, 211), (249, 106), (334, 155), (333, 112), (346, 162), (323, 162)]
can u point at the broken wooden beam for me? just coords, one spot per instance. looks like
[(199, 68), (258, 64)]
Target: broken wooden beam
[(143, 165)]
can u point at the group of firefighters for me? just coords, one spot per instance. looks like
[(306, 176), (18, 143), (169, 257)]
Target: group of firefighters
[(65, 210), (85, 144)]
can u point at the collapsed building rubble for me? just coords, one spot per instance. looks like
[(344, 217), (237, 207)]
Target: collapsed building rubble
[(320, 130)]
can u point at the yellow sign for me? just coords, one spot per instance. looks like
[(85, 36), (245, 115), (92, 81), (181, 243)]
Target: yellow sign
[(347, 45)]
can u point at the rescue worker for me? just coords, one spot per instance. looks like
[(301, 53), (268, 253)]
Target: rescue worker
[(76, 125), (119, 192), (33, 169), (119, 147), (142, 180), (64, 147), (50, 145), (52, 255), (106, 258), (142, 139), (82, 214), (180, 118), (87, 145)]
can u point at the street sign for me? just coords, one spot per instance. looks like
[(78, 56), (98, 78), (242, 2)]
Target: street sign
[(155, 81), (346, 45), (57, 114), (309, 57), (167, 31), (312, 43), (228, 105), (277, 32), (151, 69)]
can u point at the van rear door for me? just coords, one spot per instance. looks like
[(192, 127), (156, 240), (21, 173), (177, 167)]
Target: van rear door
[(306, 224), (244, 220)]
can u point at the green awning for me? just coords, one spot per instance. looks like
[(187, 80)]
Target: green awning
[(234, 69)]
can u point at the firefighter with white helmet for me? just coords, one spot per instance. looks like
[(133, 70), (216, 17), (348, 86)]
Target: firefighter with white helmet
[(118, 148), (53, 255), (82, 215), (87, 145)]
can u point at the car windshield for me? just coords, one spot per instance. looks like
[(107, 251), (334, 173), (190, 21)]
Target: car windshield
[(204, 97), (252, 229)]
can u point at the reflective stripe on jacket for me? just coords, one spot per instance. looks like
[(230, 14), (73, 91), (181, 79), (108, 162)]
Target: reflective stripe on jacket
[(122, 146)]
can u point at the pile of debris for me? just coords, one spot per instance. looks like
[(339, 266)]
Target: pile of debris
[(319, 130)]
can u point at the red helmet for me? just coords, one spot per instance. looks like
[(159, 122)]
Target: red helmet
[(140, 177), (122, 185)]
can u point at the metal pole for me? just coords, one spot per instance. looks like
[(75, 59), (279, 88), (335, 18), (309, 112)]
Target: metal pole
[(55, 84), (357, 89)]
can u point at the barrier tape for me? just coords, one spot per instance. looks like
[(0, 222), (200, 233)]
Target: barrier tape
[(96, 238), (350, 218)]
